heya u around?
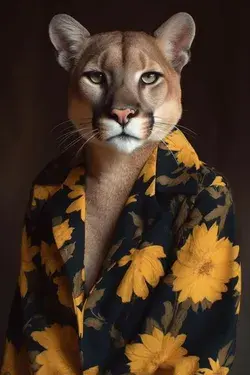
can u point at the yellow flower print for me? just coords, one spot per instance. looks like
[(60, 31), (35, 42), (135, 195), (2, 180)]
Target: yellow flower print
[(151, 189), (62, 232), (61, 354), (78, 204), (92, 371), (159, 352), (238, 285), (43, 192), (27, 254), (79, 311), (204, 265), (238, 308), (51, 258), (238, 288), (216, 369), (14, 361), (131, 199), (74, 176), (149, 168), (145, 266), (63, 291), (187, 366), (185, 153), (83, 275), (218, 181), (80, 318)]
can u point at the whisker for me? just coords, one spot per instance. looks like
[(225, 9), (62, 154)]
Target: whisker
[(82, 146), (73, 143), (65, 129), (175, 125), (80, 124), (161, 128), (185, 131), (169, 148), (66, 138), (163, 141), (86, 122), (165, 124), (64, 141), (173, 157), (184, 127), (71, 125), (162, 118), (82, 130), (92, 136), (61, 123), (163, 131), (84, 135), (69, 134)]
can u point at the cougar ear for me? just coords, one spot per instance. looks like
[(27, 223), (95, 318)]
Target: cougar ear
[(176, 36), (68, 37)]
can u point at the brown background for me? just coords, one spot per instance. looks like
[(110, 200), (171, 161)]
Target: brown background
[(34, 99)]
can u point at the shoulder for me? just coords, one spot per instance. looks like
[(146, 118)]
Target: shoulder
[(209, 177), (49, 181), (214, 198), (55, 172)]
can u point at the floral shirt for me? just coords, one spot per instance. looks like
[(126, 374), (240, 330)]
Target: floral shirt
[(168, 296)]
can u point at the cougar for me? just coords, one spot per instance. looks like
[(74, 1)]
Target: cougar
[(124, 98)]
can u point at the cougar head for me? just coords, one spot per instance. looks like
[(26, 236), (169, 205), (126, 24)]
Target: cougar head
[(124, 86)]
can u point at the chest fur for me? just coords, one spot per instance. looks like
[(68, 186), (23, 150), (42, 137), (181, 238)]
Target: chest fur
[(105, 199)]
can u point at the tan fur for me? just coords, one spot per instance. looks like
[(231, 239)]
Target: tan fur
[(111, 174), (116, 152), (108, 186)]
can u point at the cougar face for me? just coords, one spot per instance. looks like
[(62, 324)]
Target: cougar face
[(124, 87)]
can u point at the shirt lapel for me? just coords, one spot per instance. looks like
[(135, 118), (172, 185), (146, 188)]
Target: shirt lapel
[(68, 227)]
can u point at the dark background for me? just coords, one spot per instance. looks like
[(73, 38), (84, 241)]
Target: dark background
[(33, 91)]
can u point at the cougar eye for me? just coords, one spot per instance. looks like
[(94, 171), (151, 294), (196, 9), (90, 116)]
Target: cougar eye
[(95, 77), (150, 77)]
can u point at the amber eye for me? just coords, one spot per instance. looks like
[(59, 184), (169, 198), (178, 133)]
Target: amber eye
[(150, 77), (95, 77)]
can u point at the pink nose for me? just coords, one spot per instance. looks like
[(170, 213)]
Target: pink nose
[(122, 115)]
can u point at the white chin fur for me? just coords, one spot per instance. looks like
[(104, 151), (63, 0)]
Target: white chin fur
[(126, 145)]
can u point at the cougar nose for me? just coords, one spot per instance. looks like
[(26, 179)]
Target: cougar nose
[(123, 115)]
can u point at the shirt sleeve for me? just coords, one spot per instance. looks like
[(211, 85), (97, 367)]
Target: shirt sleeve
[(207, 279), (15, 358)]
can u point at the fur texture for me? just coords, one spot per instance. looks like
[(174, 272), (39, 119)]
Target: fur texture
[(112, 72)]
